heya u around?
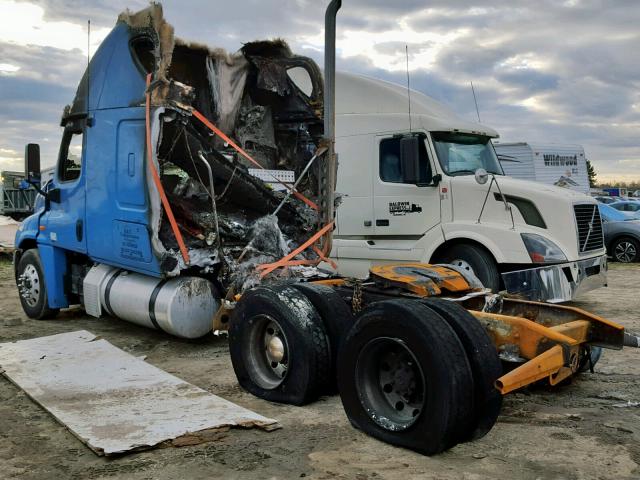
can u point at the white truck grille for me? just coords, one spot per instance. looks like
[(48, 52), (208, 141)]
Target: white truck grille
[(589, 225)]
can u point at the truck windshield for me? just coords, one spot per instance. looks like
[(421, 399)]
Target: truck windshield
[(463, 154)]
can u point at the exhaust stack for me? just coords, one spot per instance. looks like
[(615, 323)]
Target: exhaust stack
[(330, 69), (329, 164)]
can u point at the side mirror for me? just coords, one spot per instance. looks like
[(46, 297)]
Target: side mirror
[(481, 176), (32, 162), (410, 159)]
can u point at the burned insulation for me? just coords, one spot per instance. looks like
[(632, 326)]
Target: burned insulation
[(226, 216)]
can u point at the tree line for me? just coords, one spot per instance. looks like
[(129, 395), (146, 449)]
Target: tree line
[(593, 180)]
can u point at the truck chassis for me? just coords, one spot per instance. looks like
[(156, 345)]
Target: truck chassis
[(417, 352)]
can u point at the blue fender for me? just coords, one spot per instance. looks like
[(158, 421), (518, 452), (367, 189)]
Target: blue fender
[(54, 260), (54, 264), (27, 231)]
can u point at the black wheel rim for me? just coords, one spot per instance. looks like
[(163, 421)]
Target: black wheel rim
[(267, 352), (625, 251), (390, 383)]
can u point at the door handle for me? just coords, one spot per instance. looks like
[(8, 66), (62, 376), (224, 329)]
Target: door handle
[(367, 223), (382, 222)]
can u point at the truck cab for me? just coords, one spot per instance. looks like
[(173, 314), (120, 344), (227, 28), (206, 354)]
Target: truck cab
[(540, 241), (149, 216)]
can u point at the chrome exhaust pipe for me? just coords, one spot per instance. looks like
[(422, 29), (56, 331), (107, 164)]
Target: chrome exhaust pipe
[(330, 69), (329, 166)]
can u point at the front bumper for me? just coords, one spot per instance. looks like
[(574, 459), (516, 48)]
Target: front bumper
[(558, 283)]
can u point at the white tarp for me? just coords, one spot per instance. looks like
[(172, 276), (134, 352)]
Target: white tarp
[(8, 229), (113, 401)]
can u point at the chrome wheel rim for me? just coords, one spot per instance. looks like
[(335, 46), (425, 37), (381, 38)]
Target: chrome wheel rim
[(29, 285), (390, 383), (625, 252), (268, 352)]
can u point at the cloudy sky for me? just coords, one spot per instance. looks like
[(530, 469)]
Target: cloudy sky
[(545, 71)]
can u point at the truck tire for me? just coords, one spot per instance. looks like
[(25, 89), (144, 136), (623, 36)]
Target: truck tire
[(336, 317), (476, 260), (278, 346), (32, 287), (625, 250), (404, 377), (483, 360), (595, 353)]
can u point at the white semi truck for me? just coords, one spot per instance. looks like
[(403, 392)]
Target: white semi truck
[(541, 241)]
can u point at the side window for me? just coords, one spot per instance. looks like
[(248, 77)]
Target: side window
[(70, 161), (391, 164), (390, 169), (143, 51)]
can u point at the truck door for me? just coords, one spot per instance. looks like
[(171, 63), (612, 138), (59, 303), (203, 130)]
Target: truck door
[(402, 210), (354, 216), (64, 221)]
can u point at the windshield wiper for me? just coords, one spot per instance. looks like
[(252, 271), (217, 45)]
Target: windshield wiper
[(470, 172)]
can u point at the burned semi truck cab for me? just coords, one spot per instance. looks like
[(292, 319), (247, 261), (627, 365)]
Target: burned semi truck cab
[(102, 219)]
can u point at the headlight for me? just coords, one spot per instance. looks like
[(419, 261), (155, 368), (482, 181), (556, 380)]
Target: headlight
[(542, 250)]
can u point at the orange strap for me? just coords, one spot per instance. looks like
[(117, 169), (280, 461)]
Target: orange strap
[(156, 180), (301, 197), (238, 149), (267, 268), (323, 257)]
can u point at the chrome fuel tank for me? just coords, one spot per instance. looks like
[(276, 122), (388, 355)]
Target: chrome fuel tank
[(180, 306)]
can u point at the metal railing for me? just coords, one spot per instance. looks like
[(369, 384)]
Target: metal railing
[(15, 200)]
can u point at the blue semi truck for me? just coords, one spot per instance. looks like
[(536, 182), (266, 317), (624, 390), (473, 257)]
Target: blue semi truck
[(106, 236)]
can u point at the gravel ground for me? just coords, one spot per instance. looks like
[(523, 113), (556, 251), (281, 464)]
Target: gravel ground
[(570, 432)]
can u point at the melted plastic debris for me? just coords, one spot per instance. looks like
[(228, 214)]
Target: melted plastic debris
[(266, 237), (200, 257), (267, 244), (307, 271)]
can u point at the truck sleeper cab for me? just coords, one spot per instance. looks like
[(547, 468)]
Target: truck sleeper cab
[(539, 241), (100, 235)]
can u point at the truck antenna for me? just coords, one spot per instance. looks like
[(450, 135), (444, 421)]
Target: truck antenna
[(475, 101), (88, 61), (406, 51)]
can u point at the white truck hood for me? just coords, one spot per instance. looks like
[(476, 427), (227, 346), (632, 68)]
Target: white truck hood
[(535, 188), (554, 204)]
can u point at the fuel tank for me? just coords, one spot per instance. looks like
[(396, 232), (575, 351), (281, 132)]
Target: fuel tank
[(181, 306)]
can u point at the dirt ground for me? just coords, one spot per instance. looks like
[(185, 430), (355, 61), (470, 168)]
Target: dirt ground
[(577, 431)]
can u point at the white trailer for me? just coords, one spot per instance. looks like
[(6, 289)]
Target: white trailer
[(551, 164)]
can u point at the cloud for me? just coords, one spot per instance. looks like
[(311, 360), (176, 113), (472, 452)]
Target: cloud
[(564, 72), (24, 23)]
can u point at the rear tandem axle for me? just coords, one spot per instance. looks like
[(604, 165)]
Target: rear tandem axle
[(413, 370)]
